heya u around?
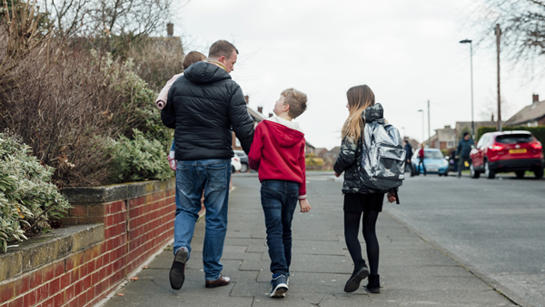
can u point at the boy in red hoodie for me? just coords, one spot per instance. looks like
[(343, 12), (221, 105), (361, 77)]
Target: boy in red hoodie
[(278, 154)]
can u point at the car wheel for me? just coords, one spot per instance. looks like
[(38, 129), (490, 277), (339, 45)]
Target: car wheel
[(538, 173), (520, 174), (243, 168), (490, 174)]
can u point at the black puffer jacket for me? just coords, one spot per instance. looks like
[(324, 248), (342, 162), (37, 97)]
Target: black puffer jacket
[(203, 105)]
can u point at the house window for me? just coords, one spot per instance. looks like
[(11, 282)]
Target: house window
[(450, 144), (532, 124)]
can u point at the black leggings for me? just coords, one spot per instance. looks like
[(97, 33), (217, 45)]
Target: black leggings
[(354, 206)]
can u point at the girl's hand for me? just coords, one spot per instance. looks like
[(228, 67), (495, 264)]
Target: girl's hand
[(305, 205), (391, 197)]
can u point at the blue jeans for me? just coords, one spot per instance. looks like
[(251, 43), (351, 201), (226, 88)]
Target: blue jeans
[(279, 199), (192, 178)]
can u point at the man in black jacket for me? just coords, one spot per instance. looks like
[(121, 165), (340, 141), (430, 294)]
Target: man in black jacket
[(202, 106), (463, 150), (408, 155)]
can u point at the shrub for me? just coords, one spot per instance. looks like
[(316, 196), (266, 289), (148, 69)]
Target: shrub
[(139, 158), (313, 162), (28, 199), (64, 109), (66, 102)]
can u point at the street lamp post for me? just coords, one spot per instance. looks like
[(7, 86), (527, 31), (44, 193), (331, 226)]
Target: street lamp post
[(468, 41), (422, 111)]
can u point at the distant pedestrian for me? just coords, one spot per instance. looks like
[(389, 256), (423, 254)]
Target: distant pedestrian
[(463, 150), (203, 105), (358, 199), (161, 101), (408, 155), (421, 157), (278, 154)]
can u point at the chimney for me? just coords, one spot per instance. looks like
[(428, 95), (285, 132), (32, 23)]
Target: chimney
[(270, 115), (535, 98), (260, 109), (247, 99), (492, 117), (170, 29)]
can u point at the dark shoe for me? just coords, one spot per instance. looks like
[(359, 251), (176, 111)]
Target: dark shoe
[(354, 281), (177, 274), (374, 284), (279, 286), (221, 281)]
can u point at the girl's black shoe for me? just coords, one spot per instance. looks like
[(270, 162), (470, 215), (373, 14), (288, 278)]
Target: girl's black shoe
[(354, 281), (374, 284)]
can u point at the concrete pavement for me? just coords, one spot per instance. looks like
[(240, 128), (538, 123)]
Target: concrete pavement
[(413, 271)]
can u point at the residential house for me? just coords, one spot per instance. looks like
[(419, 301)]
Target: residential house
[(444, 138), (531, 115)]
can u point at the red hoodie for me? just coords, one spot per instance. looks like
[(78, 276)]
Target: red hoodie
[(278, 153)]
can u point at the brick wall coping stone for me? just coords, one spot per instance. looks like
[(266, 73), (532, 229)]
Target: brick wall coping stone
[(102, 194), (47, 248)]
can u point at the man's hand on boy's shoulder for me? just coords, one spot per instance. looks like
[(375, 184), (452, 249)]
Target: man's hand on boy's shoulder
[(305, 205)]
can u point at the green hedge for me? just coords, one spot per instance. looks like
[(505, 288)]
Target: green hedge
[(28, 199), (538, 132)]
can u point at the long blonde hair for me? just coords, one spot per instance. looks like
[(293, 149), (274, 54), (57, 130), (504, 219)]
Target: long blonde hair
[(359, 98)]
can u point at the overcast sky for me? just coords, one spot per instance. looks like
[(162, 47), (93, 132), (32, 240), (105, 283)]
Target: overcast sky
[(406, 51)]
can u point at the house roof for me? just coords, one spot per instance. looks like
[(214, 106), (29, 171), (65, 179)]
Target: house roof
[(529, 113)]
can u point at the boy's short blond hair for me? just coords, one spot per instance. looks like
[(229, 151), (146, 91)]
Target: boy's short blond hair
[(297, 101)]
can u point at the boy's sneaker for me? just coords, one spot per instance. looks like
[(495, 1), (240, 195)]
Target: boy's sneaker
[(354, 281), (177, 271), (279, 286)]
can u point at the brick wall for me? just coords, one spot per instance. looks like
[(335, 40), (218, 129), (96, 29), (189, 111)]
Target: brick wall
[(137, 222)]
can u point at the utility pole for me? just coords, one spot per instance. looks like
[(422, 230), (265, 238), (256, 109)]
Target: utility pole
[(470, 42), (471, 65), (423, 136), (498, 36), (429, 134)]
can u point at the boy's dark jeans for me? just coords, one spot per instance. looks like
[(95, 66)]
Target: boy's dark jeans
[(279, 199)]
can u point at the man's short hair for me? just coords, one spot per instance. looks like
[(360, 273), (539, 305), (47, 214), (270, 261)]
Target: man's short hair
[(466, 133), (297, 101), (221, 48), (193, 57)]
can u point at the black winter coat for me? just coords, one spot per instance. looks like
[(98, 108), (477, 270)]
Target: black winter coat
[(202, 106), (349, 162)]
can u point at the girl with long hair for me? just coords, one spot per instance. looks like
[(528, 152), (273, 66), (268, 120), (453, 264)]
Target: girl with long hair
[(358, 199)]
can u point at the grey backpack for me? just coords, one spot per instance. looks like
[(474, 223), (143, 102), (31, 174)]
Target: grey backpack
[(383, 156)]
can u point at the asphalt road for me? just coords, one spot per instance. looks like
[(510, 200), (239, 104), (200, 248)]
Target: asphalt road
[(495, 227)]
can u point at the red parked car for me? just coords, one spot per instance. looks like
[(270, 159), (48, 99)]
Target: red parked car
[(507, 151)]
